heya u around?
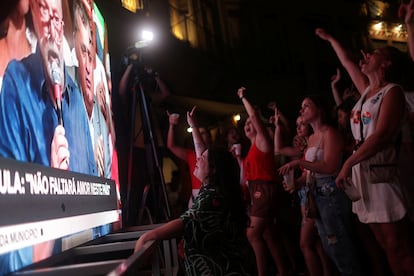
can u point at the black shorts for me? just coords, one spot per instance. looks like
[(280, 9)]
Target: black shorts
[(263, 198)]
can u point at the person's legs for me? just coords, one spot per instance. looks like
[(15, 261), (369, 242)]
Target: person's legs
[(260, 234), (274, 244), (397, 242), (328, 266), (333, 228), (255, 237), (307, 245), (287, 229), (374, 255)]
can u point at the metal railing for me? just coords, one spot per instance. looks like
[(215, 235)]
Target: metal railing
[(161, 256)]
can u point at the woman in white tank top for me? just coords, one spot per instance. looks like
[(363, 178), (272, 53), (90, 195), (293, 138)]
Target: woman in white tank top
[(376, 121)]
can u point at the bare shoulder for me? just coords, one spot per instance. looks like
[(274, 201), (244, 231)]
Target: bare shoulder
[(332, 135), (394, 100), (395, 92)]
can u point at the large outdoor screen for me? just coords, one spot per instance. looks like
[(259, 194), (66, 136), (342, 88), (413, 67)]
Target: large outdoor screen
[(58, 161)]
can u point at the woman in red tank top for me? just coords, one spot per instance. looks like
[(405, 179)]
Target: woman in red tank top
[(259, 171)]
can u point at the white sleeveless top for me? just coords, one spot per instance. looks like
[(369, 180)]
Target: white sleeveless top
[(313, 154), (369, 113), (381, 202)]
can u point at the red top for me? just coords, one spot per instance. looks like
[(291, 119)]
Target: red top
[(191, 161), (259, 165)]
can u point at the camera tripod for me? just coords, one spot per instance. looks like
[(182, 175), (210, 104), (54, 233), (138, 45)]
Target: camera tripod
[(155, 172)]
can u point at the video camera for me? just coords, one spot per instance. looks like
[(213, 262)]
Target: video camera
[(133, 56)]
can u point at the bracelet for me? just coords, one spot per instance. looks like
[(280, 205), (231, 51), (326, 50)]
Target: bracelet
[(242, 97)]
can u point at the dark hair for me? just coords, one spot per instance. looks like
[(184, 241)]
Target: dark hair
[(224, 175), (79, 10), (223, 134), (399, 62), (229, 129), (6, 7), (347, 105), (4, 27), (324, 108)]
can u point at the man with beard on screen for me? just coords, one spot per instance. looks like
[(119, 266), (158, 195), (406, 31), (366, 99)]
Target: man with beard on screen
[(42, 115)]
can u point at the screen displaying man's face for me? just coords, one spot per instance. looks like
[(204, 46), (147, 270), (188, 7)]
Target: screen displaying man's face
[(84, 53), (48, 25)]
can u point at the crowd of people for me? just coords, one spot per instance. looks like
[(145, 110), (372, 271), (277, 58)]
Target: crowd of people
[(353, 204), (352, 211), (54, 98)]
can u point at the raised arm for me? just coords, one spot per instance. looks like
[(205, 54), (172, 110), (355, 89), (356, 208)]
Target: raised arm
[(281, 128), (281, 119), (278, 137), (263, 139), (164, 91), (407, 11), (334, 86), (123, 84), (161, 91), (351, 67), (178, 151), (199, 144)]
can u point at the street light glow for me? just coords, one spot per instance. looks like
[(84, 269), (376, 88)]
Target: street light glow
[(145, 39), (147, 35)]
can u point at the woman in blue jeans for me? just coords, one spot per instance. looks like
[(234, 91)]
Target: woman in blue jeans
[(323, 161)]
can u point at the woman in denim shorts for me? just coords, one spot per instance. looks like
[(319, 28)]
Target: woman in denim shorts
[(323, 160), (316, 260)]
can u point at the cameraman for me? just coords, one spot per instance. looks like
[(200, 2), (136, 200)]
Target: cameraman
[(136, 77), (146, 75)]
